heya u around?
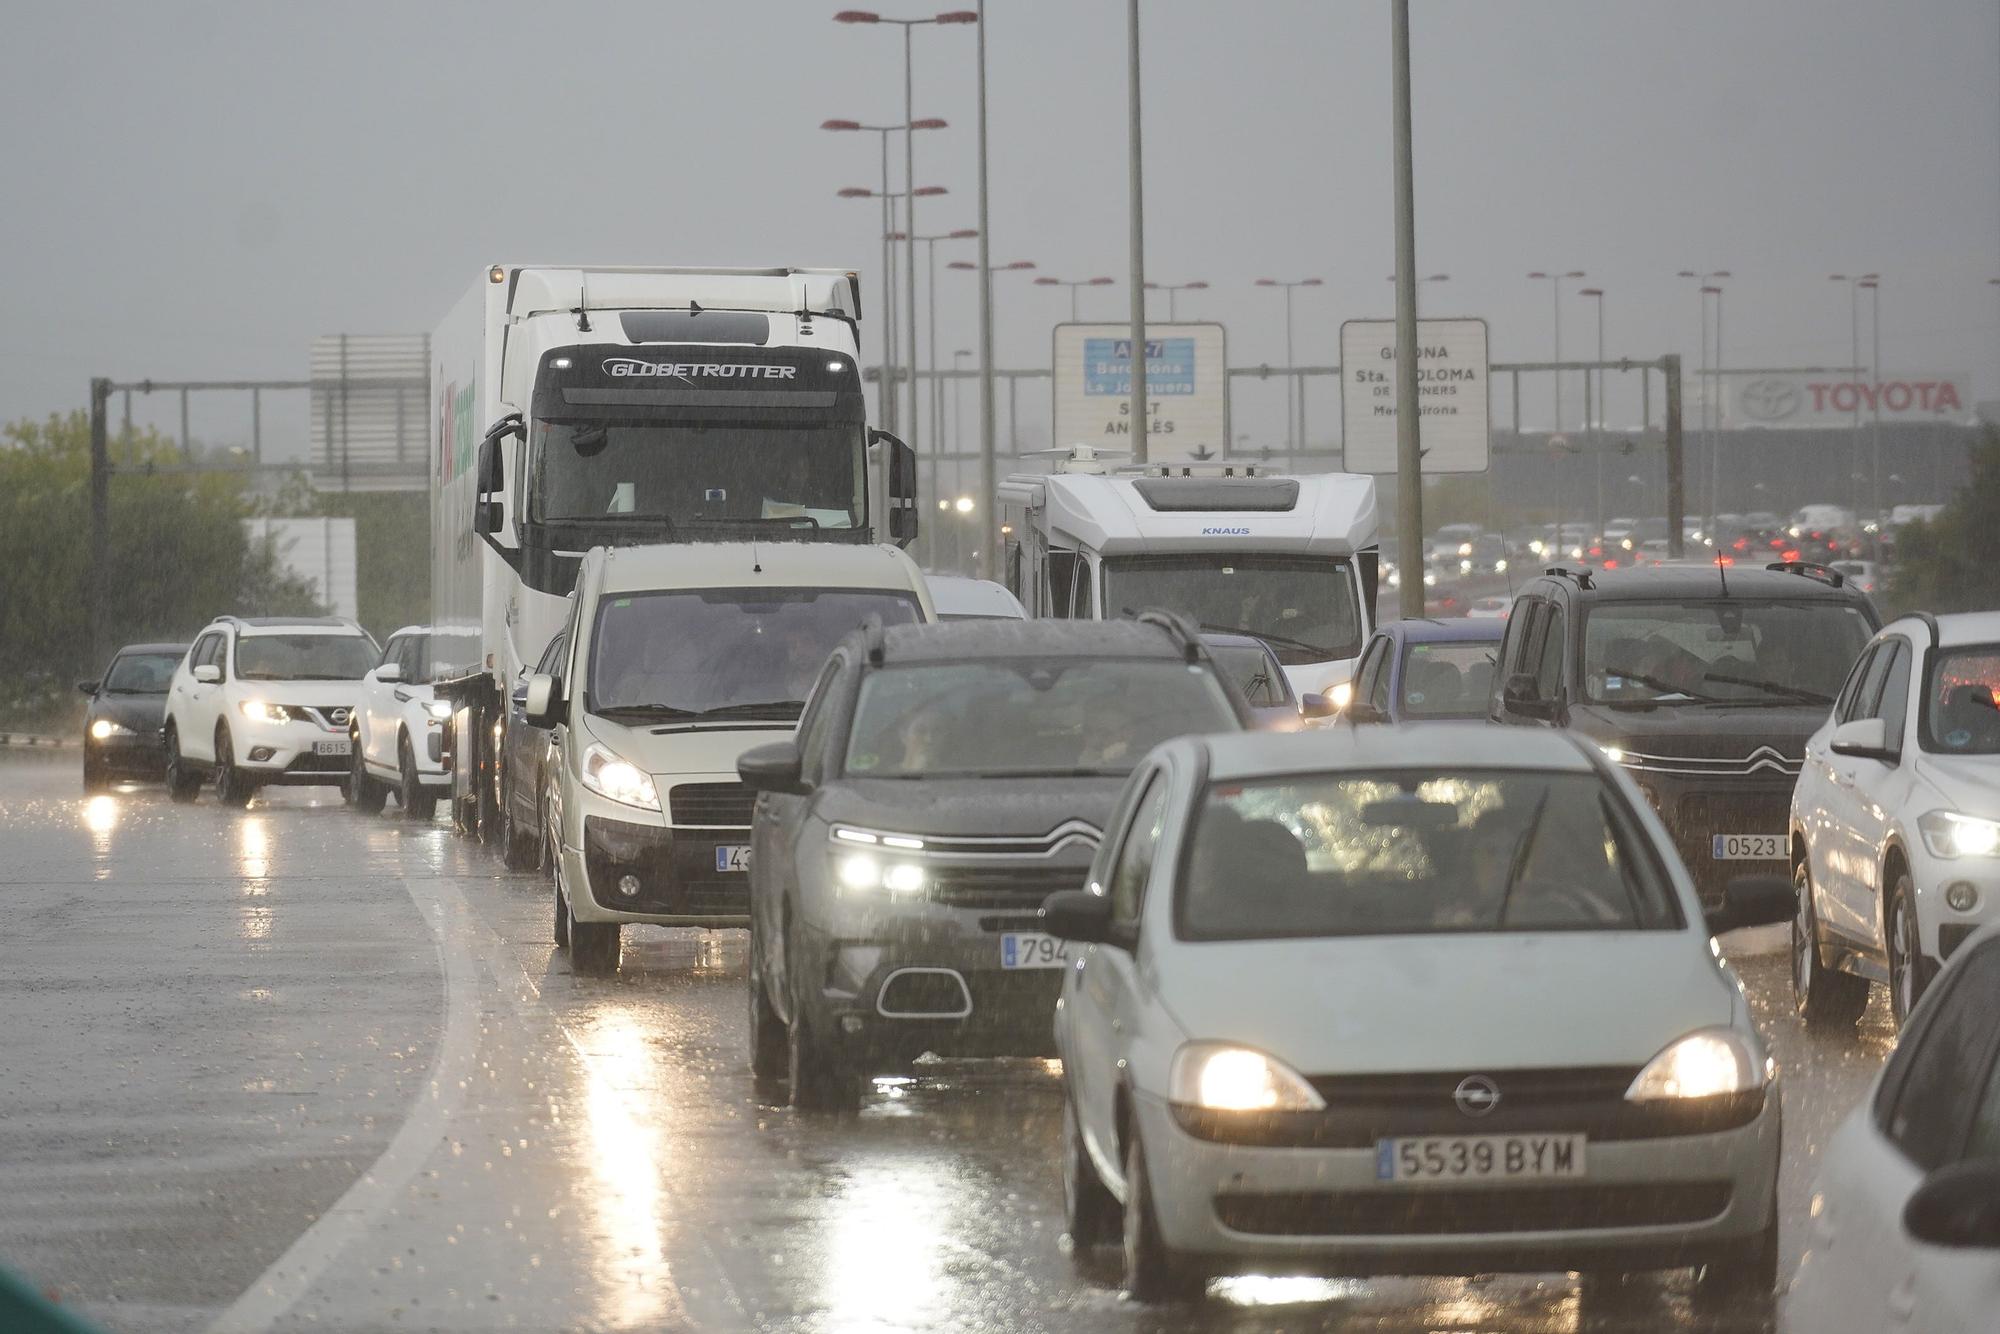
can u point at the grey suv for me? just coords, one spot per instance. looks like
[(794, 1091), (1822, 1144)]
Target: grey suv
[(944, 780)]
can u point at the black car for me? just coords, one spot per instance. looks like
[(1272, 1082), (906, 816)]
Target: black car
[(1704, 682), (121, 724), (944, 780)]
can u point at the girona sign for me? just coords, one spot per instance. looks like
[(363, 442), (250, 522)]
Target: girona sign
[(1803, 398)]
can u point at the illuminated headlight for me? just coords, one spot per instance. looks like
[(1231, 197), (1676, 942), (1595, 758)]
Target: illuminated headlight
[(1704, 1064), (1500, 566), (1430, 579), (1626, 543), (618, 780), (865, 872), (1536, 546), (1340, 694), (1617, 754), (1465, 567), (873, 838), (257, 711), (1949, 834), (1465, 548), (438, 709), (103, 729), (1223, 1078)]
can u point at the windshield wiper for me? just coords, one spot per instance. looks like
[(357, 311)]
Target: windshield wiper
[(1274, 640), (759, 521), (1774, 687), (1655, 683), (668, 521), (1522, 851), (770, 708), (644, 712)]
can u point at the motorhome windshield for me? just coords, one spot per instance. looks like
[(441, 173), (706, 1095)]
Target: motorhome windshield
[(1304, 607), (696, 475)]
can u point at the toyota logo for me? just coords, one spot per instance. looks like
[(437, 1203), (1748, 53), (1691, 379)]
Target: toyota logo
[(1768, 400), (1476, 1095)]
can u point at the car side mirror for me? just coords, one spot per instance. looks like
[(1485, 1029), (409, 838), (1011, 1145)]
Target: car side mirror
[(1957, 1206), (1753, 900), (208, 673), (88, 687), (777, 767), (542, 701), (1312, 704), (1079, 915), (389, 672), (1864, 739), (1522, 695)]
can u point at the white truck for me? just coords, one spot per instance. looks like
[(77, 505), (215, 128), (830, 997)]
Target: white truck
[(590, 407), (1292, 560)]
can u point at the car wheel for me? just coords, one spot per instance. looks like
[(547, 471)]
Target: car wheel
[(819, 1084), (419, 802), (1153, 1271), (562, 917), (233, 787), (364, 794), (1090, 1213), (517, 847), (593, 946), (770, 1053), (94, 779), (1825, 998), (1751, 1276), (1909, 970), (183, 783)]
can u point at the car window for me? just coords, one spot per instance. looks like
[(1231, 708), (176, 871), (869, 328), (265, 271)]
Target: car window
[(552, 656), (303, 657), (1983, 1140), (1135, 855), (1378, 681), (1521, 629), (1867, 697), (1450, 679), (1850, 690), (1251, 668), (817, 720), (1959, 712), (141, 673), (209, 652), (1947, 1065), (1893, 707), (393, 651), (1548, 667)]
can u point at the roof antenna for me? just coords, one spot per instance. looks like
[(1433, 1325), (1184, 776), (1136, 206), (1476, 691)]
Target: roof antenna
[(583, 295), (756, 562)]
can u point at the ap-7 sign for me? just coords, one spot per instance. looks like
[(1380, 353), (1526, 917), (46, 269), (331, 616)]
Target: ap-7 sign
[(1451, 394), (1186, 408)]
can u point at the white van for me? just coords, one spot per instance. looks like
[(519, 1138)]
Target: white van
[(678, 659)]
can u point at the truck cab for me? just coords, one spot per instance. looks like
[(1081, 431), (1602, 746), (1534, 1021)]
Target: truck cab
[(1291, 560)]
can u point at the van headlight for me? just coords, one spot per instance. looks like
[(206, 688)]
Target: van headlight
[(1704, 1064), (619, 780), (1948, 834), (1222, 1077)]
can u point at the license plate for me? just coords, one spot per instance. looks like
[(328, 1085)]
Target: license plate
[(732, 857), (1479, 1158), (333, 747), (1031, 949), (1747, 847)]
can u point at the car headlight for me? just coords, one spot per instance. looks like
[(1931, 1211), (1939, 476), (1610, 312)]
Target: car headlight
[(1616, 753), (1704, 1064), (858, 862), (1340, 694), (1223, 1077), (1500, 566), (104, 728), (1949, 834), (440, 709), (258, 711), (618, 779)]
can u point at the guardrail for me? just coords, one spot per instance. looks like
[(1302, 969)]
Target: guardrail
[(36, 740)]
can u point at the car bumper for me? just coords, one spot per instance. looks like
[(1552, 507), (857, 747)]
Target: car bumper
[(135, 753), (672, 869), (1941, 929), (1696, 810), (1643, 1203), (287, 752)]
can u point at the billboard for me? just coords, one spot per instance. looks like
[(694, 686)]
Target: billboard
[(1187, 403), (1452, 401), (1815, 398)]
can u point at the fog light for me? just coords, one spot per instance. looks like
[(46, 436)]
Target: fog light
[(1961, 896), (628, 885), (850, 1024), (258, 754)]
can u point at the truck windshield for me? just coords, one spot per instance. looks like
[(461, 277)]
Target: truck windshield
[(733, 652), (1304, 607), (697, 474)]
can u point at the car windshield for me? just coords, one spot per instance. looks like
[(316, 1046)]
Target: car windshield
[(700, 475), (1735, 650), (1251, 668), (303, 657), (1303, 607), (141, 673), (730, 651), (1417, 853), (1015, 717), (1961, 716), (1448, 680)]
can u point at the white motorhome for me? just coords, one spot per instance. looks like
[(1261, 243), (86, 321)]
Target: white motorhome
[(1292, 560), (582, 407)]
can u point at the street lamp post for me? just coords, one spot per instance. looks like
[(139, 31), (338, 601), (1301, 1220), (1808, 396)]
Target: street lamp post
[(1555, 282), (1594, 402), (1136, 203), (1172, 289), (1854, 283), (1291, 359), (1711, 379), (930, 335), (1873, 287), (1715, 436), (1046, 281), (988, 460)]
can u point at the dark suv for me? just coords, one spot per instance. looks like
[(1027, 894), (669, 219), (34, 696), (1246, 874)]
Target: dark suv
[(1703, 682), (944, 780)]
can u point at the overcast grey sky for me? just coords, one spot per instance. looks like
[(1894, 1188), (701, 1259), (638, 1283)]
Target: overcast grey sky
[(197, 189)]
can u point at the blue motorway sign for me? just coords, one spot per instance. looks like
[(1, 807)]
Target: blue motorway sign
[(1107, 366)]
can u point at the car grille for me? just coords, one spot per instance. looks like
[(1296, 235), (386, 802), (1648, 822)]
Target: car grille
[(1765, 760), (725, 805), (1502, 1209), (1017, 887)]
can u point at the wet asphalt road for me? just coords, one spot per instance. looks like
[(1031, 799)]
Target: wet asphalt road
[(294, 1068)]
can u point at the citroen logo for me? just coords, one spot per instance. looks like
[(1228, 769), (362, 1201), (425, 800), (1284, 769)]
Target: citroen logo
[(1476, 1095)]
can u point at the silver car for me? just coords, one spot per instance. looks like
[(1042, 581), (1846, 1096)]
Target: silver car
[(1439, 1000)]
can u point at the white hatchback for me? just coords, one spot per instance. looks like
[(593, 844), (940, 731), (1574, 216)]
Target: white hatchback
[(1439, 1000), (1895, 826)]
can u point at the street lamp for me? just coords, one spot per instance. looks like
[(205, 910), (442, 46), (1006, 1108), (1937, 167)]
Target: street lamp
[(888, 393), (1172, 288), (1555, 282), (930, 337), (1594, 419), (1291, 366), (1854, 368), (1046, 281), (985, 367), (957, 414), (1711, 380), (1873, 286)]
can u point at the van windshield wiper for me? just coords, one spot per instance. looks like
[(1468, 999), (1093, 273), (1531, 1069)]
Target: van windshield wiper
[(770, 708), (1773, 687), (612, 521), (644, 712), (1274, 640)]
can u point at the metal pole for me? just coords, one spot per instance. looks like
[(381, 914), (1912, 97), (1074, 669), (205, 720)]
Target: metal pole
[(1138, 209), (1409, 448), (937, 398), (1171, 294), (1291, 360), (1875, 429), (257, 424), (1715, 415), (1555, 292), (1670, 367), (887, 389), (910, 224), (1707, 526), (989, 480), (1596, 414), (1073, 317), (1854, 359), (100, 520)]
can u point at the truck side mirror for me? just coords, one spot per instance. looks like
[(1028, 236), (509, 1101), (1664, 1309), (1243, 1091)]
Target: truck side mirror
[(491, 472), (486, 516), (902, 526), (902, 469)]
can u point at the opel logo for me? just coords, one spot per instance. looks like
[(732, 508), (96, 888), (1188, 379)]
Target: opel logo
[(1476, 1095), (1768, 400)]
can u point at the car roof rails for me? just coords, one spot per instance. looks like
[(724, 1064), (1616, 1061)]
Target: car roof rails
[(1581, 578), (1813, 570), (874, 641), (1185, 633)]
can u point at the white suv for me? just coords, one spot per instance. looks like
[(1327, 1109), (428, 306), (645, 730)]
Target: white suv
[(1896, 817), (398, 730), (264, 700)]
